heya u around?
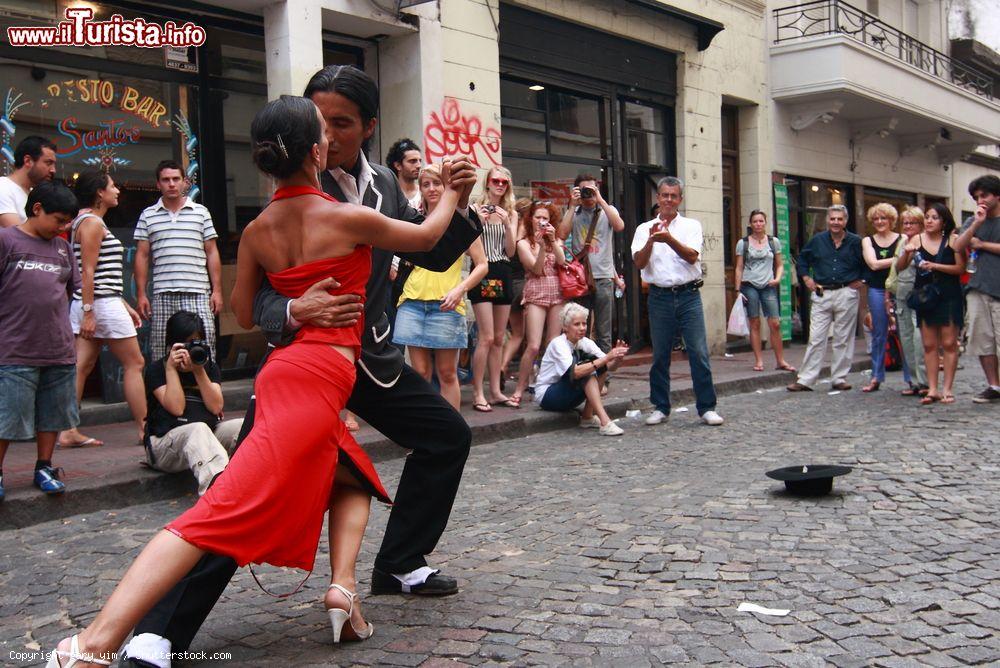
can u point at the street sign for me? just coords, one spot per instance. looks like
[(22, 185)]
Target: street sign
[(782, 225)]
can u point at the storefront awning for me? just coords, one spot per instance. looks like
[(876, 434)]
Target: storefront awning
[(707, 28)]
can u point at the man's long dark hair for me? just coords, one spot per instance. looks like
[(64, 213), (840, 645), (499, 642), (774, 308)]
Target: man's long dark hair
[(350, 82)]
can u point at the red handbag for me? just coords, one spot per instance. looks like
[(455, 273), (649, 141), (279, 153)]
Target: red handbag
[(574, 277), (573, 280)]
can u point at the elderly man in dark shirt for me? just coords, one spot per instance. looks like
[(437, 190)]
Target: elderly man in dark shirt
[(831, 267)]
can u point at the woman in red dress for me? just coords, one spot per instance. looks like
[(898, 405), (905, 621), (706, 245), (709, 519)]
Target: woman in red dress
[(268, 505)]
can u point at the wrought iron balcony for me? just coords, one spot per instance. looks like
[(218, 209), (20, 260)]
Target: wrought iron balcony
[(833, 17)]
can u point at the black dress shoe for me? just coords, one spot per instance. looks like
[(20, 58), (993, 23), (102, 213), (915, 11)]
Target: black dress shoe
[(435, 585)]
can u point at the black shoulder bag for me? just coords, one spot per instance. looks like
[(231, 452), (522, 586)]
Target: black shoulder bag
[(926, 297)]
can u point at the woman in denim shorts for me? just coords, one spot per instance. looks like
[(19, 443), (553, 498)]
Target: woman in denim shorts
[(430, 318), (759, 268)]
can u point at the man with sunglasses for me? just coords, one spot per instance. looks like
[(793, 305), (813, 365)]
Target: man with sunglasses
[(586, 203)]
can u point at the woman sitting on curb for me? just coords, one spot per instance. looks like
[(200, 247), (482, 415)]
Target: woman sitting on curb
[(573, 371)]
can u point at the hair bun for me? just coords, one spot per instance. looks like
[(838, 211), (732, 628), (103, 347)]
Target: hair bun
[(268, 157)]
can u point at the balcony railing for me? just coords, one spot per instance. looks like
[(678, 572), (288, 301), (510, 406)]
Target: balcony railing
[(833, 17)]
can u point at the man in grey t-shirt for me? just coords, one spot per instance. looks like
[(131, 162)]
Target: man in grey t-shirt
[(981, 234), (585, 200)]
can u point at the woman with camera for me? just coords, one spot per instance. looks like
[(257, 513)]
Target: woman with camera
[(268, 505), (573, 371), (430, 319), (184, 429), (99, 313), (541, 252), (937, 297), (491, 297)]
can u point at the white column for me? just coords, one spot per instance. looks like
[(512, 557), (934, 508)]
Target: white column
[(293, 41)]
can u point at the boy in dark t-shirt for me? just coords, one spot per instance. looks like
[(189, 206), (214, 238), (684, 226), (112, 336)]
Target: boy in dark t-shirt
[(184, 428), (37, 352)]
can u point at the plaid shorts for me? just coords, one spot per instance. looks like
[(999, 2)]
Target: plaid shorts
[(164, 305)]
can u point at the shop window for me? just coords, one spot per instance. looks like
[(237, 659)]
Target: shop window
[(542, 119), (548, 180), (899, 201), (645, 134)]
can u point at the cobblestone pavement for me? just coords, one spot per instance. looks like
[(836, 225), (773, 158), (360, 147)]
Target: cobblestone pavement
[(578, 549)]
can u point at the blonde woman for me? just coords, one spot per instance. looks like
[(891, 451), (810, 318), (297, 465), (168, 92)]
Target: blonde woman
[(879, 252), (911, 223), (491, 297), (430, 319)]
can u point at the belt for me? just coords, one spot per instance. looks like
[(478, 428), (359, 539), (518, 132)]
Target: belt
[(693, 285), (833, 286)]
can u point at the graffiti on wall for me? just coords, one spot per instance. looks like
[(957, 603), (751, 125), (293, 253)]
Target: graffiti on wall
[(451, 133)]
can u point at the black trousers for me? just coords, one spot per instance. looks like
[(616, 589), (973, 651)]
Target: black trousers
[(413, 415)]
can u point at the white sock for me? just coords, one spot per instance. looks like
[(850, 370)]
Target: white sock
[(150, 648), (416, 577)]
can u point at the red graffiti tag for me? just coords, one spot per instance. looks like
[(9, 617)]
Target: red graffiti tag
[(451, 134)]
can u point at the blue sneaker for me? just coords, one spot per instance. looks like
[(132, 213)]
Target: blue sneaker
[(47, 480)]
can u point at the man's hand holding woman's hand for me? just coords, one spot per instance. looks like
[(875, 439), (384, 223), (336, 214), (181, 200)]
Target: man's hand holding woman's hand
[(319, 308)]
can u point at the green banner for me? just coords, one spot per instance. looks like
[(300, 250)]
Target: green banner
[(781, 224)]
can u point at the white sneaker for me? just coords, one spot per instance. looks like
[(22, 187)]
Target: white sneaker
[(611, 429), (593, 423), (656, 417), (712, 418)]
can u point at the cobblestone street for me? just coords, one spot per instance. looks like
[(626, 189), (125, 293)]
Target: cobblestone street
[(572, 548)]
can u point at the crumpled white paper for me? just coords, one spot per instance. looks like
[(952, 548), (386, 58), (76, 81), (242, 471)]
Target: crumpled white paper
[(753, 607)]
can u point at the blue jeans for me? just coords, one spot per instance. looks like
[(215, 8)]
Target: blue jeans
[(670, 312), (880, 331)]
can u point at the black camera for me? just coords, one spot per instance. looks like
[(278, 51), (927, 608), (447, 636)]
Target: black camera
[(586, 193), (489, 208), (199, 351)]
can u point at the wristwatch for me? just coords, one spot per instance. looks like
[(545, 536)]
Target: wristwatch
[(87, 308)]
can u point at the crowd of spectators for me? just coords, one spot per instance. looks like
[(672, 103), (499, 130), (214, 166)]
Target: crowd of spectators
[(905, 279)]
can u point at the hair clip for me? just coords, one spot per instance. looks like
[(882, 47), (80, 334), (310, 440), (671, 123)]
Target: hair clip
[(281, 145)]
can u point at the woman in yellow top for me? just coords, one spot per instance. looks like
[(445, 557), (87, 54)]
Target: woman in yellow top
[(431, 313)]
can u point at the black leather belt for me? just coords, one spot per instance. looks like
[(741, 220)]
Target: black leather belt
[(693, 285), (833, 286)]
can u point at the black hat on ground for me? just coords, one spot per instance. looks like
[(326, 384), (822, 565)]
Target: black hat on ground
[(809, 480)]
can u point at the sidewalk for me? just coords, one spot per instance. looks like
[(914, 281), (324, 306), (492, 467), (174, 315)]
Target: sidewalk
[(114, 476)]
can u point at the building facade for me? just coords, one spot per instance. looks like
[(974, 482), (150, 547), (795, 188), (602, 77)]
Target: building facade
[(868, 106)]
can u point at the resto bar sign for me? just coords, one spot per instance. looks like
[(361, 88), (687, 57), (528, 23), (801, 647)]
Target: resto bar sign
[(104, 93)]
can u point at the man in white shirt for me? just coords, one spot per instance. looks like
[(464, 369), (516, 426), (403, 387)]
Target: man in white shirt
[(667, 250), (34, 162)]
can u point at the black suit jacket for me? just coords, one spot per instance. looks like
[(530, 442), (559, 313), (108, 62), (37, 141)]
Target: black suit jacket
[(380, 360)]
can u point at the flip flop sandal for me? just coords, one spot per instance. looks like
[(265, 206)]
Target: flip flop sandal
[(948, 399), (758, 367), (910, 392), (871, 387), (929, 399), (510, 403), (482, 408), (89, 443), (786, 367)]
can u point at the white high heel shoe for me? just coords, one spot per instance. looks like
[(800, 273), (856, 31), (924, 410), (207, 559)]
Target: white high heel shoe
[(339, 619), (74, 655)]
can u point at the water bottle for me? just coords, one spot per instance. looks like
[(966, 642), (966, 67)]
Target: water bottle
[(619, 288), (970, 266), (918, 257)]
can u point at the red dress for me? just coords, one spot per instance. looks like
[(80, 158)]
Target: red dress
[(267, 506)]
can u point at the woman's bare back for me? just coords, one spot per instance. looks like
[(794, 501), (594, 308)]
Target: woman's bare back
[(291, 232)]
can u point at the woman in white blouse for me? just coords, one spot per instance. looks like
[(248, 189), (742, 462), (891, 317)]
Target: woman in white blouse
[(573, 371)]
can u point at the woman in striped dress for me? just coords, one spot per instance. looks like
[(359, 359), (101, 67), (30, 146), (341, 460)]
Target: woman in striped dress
[(492, 296), (99, 313)]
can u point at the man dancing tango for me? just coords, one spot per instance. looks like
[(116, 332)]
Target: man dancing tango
[(388, 394)]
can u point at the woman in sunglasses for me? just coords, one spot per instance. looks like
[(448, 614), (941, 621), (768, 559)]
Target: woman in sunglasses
[(491, 298)]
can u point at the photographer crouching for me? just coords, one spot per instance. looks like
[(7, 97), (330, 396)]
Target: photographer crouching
[(184, 427)]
